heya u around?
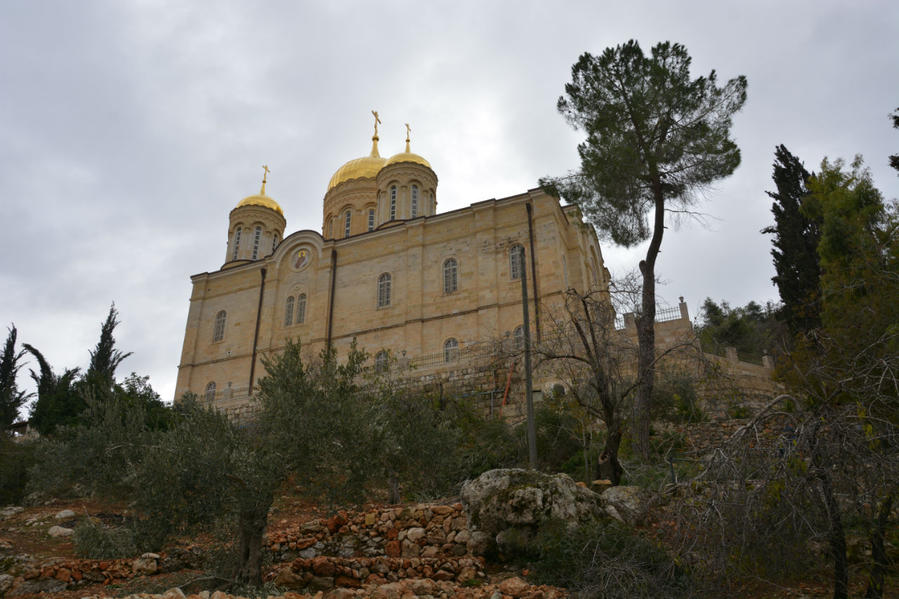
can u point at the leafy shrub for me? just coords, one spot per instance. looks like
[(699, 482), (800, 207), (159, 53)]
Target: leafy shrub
[(676, 400), (94, 541), (606, 559), (15, 460)]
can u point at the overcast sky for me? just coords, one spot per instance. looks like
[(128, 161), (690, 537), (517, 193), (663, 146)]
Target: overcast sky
[(129, 130)]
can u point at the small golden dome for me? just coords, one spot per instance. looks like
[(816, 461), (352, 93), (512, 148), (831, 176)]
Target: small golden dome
[(261, 200), (407, 157), (366, 167)]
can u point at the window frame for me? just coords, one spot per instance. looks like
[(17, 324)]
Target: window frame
[(210, 388), (347, 223), (218, 330), (257, 237), (236, 249), (451, 350), (413, 194), (450, 275), (371, 219), (385, 282), (393, 195), (288, 311), (301, 308), (515, 261)]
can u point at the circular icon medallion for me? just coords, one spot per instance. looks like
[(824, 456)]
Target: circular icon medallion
[(301, 259)]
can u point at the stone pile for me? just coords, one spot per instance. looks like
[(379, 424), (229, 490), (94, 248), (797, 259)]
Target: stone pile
[(322, 573), (422, 530), (413, 588)]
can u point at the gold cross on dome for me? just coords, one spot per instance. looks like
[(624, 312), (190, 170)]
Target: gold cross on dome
[(377, 121)]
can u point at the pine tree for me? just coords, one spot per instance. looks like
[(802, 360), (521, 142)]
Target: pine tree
[(11, 398), (99, 380), (796, 238)]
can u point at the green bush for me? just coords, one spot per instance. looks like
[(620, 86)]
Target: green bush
[(606, 559), (94, 541), (15, 460), (676, 400)]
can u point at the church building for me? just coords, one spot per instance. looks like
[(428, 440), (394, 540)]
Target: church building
[(387, 270)]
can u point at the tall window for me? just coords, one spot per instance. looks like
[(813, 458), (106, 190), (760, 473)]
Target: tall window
[(381, 361), (450, 350), (384, 290), (330, 227), (371, 219), (346, 223), (288, 312), (236, 244), (218, 333), (256, 237), (450, 275), (301, 308), (210, 392), (414, 201), (515, 264), (518, 338), (392, 202), (274, 242)]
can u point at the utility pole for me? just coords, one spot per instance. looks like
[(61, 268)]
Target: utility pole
[(528, 388)]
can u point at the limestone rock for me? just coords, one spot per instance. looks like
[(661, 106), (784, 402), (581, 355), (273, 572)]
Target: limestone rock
[(478, 543), (627, 504), (6, 582), (514, 586), (37, 585), (60, 531), (11, 510), (64, 515), (145, 565)]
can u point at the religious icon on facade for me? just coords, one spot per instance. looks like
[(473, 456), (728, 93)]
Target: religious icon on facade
[(302, 259)]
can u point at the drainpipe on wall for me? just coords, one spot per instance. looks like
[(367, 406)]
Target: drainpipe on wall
[(530, 209), (256, 334), (331, 298)]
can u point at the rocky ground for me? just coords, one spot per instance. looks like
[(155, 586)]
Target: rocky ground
[(421, 550)]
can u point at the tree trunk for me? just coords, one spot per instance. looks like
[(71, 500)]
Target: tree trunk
[(394, 485), (249, 550), (837, 539), (646, 333), (878, 551), (609, 466)]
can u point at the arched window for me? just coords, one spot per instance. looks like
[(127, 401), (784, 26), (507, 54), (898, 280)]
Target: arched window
[(256, 236), (371, 219), (381, 361), (518, 338), (515, 264), (414, 201), (288, 312), (274, 242), (450, 350), (210, 392), (450, 276), (392, 202), (346, 223), (218, 333), (384, 290), (236, 243), (301, 308)]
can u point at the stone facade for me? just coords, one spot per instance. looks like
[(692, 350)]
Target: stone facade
[(386, 270)]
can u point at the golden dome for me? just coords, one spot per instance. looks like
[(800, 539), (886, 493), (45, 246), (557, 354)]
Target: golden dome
[(407, 157), (261, 200), (366, 167)]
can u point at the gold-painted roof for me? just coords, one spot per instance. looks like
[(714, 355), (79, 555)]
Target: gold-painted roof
[(261, 200), (407, 157), (366, 167)]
